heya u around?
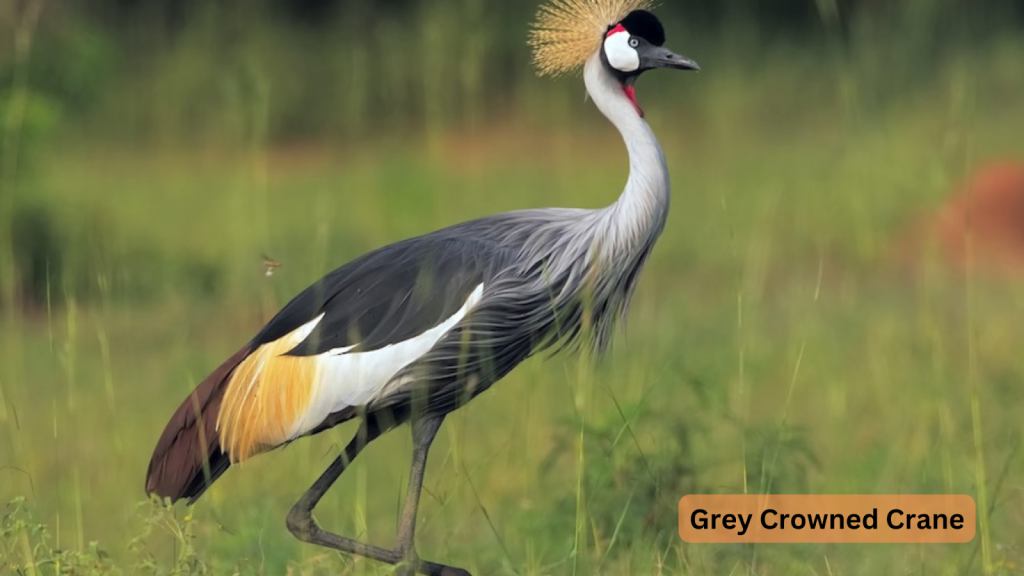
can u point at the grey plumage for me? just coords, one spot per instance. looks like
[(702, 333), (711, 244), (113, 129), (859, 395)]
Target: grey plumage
[(551, 277)]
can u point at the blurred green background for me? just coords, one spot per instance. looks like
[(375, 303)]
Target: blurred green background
[(798, 329)]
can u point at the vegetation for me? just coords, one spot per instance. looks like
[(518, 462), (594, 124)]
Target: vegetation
[(782, 339)]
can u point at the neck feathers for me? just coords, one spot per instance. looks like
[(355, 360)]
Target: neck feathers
[(638, 216)]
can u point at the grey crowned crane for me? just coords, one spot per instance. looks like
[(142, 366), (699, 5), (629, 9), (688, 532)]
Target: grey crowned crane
[(414, 330)]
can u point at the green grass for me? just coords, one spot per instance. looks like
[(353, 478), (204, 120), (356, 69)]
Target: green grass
[(776, 342)]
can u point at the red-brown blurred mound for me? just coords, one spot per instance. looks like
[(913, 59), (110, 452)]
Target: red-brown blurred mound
[(981, 227)]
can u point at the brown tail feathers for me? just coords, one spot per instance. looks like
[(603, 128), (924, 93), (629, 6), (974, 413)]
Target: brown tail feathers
[(188, 457)]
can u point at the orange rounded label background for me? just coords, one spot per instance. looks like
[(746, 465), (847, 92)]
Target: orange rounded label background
[(790, 518)]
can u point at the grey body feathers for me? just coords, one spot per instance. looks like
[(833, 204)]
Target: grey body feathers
[(550, 277)]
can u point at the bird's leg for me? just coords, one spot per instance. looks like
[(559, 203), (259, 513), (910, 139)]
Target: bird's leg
[(304, 527), (423, 432), (300, 519), (424, 429)]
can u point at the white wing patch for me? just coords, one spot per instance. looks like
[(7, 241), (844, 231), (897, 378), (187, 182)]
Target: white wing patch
[(347, 379)]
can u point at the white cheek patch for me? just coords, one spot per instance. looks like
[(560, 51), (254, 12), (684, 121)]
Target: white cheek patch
[(620, 55)]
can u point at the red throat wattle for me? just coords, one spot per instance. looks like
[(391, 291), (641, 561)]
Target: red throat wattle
[(631, 94)]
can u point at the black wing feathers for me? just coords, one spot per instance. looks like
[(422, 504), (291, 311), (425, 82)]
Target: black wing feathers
[(389, 295)]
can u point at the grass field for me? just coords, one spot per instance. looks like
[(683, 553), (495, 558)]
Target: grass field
[(779, 342)]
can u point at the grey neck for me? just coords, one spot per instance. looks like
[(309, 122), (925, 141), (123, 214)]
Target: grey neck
[(639, 213)]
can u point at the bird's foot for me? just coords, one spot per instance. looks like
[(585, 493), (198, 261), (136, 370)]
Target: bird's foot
[(412, 566)]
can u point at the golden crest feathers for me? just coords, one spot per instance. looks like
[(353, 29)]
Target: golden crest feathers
[(567, 32)]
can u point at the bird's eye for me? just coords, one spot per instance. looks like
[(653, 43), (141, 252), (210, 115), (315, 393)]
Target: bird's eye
[(633, 43)]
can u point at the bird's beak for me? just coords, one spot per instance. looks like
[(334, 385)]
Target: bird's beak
[(661, 57)]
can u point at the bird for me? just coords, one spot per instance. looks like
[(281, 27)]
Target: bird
[(414, 330)]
